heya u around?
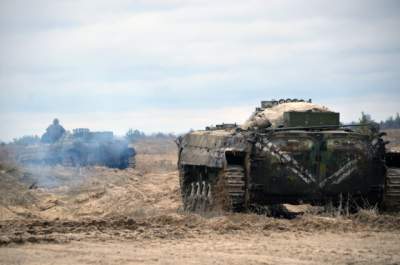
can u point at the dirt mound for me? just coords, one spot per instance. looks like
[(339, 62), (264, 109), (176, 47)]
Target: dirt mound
[(274, 116), (16, 198), (51, 192), (101, 192)]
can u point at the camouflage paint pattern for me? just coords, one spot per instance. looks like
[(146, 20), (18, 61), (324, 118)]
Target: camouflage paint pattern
[(288, 166), (309, 157)]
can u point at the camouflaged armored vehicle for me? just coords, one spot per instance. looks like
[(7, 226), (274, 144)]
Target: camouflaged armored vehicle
[(289, 151), (81, 148)]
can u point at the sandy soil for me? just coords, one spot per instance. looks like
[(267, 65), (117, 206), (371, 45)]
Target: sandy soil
[(241, 248), (58, 215)]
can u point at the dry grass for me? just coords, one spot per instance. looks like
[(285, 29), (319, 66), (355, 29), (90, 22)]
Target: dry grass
[(7, 157), (108, 201), (142, 206), (393, 136), (156, 155), (156, 146), (146, 163)]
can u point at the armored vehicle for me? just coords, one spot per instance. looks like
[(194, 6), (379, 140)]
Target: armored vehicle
[(81, 148), (289, 151)]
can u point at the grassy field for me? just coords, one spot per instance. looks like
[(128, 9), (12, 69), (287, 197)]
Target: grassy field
[(393, 136), (98, 215)]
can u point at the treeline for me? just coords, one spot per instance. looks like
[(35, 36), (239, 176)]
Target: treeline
[(135, 135), (131, 136), (26, 140), (393, 122)]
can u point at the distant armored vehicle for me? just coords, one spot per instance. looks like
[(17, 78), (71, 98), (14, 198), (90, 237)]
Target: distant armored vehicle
[(80, 148), (289, 151)]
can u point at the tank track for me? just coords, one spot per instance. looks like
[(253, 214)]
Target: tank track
[(198, 197), (234, 177), (392, 189), (229, 193)]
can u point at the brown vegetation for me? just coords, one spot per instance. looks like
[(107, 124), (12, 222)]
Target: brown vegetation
[(393, 136), (140, 208)]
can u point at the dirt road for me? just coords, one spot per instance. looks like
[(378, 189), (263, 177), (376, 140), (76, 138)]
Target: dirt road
[(241, 248)]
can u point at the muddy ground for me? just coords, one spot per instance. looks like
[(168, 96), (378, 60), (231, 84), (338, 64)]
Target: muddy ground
[(96, 215)]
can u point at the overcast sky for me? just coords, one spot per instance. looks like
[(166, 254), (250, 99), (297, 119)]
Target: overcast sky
[(171, 65)]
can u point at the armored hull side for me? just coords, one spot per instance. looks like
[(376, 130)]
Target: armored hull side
[(314, 166)]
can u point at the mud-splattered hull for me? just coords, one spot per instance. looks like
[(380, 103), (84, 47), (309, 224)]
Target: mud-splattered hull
[(315, 167), (283, 166)]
